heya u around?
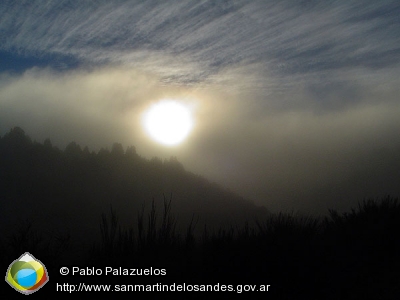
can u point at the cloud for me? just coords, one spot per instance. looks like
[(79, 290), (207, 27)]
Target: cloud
[(64, 106), (285, 39)]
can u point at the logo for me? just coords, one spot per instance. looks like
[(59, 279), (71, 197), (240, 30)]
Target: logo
[(27, 274)]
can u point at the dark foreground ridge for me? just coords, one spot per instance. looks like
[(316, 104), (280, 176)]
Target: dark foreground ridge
[(353, 255)]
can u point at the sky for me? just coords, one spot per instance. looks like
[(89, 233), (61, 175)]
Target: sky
[(295, 103)]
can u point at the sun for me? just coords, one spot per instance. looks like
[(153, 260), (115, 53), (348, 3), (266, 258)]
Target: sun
[(168, 122)]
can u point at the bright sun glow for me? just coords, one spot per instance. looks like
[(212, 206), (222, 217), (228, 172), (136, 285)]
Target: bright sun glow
[(168, 122)]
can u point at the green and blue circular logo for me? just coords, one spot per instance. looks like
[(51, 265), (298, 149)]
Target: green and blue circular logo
[(27, 274)]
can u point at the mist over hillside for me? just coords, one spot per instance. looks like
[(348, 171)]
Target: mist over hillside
[(66, 191)]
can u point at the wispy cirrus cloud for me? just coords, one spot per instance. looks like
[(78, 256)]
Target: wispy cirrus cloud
[(286, 38)]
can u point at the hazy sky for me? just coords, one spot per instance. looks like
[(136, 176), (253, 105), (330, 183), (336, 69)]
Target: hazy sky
[(296, 103)]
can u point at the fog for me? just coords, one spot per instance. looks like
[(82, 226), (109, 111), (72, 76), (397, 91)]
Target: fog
[(295, 105)]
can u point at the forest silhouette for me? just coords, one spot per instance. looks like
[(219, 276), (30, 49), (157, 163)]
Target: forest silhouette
[(115, 208)]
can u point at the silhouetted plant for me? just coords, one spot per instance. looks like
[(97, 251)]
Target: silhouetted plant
[(286, 248), (151, 225), (25, 238), (371, 216), (289, 226), (49, 246), (116, 240), (190, 239), (168, 225), (108, 231), (163, 234)]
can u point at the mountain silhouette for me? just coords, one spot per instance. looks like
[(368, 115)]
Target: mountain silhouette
[(68, 190)]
